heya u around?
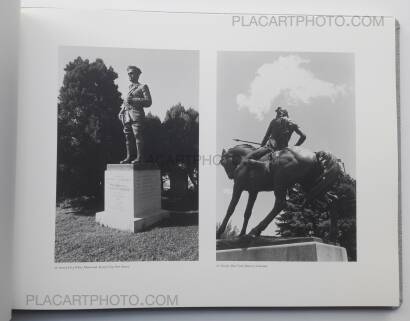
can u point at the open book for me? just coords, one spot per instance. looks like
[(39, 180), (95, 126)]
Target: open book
[(169, 159)]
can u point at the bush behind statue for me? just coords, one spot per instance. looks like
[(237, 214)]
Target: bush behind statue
[(296, 220), (88, 136)]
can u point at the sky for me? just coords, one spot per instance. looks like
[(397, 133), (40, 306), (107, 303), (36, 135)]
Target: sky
[(171, 75), (316, 88)]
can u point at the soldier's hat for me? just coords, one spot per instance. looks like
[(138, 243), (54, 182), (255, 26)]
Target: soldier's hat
[(134, 68), (283, 110)]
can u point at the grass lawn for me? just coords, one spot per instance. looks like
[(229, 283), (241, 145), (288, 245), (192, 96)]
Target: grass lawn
[(80, 239)]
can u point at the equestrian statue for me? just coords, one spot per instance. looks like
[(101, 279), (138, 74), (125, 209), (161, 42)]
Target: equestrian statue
[(276, 167)]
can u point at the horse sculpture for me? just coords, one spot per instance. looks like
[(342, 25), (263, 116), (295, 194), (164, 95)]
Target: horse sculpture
[(275, 172)]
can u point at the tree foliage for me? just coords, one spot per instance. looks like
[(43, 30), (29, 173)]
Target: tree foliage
[(314, 219), (88, 133), (152, 138), (180, 139)]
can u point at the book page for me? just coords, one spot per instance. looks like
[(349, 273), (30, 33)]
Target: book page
[(138, 196), (9, 19)]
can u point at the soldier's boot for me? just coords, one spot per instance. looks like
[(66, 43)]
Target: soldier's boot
[(130, 154), (139, 158)]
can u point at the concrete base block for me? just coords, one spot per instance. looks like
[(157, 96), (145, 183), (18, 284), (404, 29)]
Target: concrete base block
[(127, 224), (308, 251), (132, 197)]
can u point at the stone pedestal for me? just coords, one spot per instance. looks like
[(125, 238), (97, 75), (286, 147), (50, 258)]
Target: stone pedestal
[(132, 197), (276, 249)]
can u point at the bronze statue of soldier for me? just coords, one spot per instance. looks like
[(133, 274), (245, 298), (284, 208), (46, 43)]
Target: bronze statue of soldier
[(132, 116), (278, 134)]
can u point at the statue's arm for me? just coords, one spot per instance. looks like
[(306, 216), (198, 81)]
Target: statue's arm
[(145, 101), (302, 136), (122, 112), (267, 135)]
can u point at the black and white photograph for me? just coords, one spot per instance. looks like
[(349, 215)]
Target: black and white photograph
[(286, 131), (127, 155)]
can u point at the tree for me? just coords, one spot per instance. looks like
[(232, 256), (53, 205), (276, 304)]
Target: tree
[(314, 219), (152, 138), (89, 133), (180, 139)]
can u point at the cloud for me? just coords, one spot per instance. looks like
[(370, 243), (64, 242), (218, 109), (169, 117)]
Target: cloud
[(285, 81)]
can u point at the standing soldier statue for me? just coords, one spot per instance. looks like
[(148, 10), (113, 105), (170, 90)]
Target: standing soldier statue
[(132, 116), (278, 134)]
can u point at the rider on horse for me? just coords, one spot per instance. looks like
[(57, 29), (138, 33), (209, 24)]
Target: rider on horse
[(315, 172), (278, 135)]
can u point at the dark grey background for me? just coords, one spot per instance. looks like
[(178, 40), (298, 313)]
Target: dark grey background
[(213, 314)]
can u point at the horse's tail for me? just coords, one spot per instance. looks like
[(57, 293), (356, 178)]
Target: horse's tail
[(330, 170)]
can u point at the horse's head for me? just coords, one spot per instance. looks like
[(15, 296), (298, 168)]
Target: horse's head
[(229, 163), (232, 158)]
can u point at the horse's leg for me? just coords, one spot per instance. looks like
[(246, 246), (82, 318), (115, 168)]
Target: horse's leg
[(280, 203), (248, 211), (236, 195)]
